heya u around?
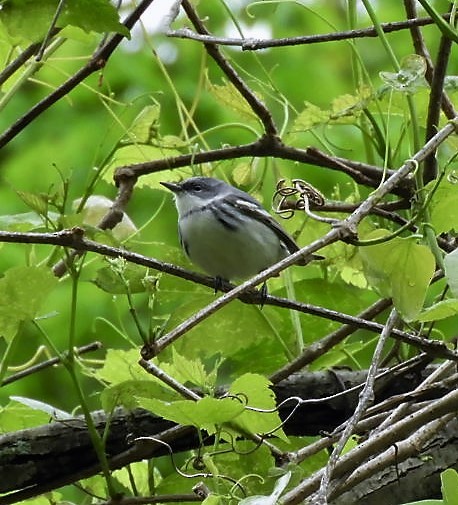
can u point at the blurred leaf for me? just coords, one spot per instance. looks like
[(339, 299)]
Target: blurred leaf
[(410, 77), (37, 202), (144, 127), (30, 20), (136, 472), (22, 292), (25, 221), (443, 208), (451, 271), (310, 116), (228, 96), (399, 268), (93, 15)]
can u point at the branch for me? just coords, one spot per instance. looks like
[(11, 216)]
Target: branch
[(50, 456), (266, 146), (252, 44), (344, 231), (253, 101)]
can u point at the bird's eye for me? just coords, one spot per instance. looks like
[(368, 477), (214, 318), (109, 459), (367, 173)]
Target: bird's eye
[(197, 188)]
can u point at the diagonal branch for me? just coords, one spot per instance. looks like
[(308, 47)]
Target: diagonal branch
[(254, 102)]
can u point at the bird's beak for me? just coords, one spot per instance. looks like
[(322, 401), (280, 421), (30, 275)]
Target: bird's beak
[(173, 186)]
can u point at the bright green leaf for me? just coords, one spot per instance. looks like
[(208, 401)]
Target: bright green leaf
[(202, 414), (440, 310), (443, 207), (309, 117), (30, 20), (130, 393), (120, 366), (22, 292), (93, 15), (185, 370), (19, 416), (399, 268), (228, 96), (145, 126), (50, 410), (449, 481)]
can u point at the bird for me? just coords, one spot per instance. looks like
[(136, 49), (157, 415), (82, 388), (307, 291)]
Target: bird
[(226, 232)]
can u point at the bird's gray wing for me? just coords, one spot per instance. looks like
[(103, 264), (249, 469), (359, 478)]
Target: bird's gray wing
[(253, 209)]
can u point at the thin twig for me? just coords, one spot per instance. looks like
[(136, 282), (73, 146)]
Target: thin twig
[(253, 44), (253, 101), (94, 346), (374, 445), (366, 397)]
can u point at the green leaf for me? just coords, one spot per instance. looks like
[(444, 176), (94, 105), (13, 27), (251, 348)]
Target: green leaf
[(451, 271), (93, 15), (228, 96), (25, 221), (130, 393), (399, 268), (410, 77), (137, 473), (132, 280), (120, 366), (440, 310), (30, 20), (255, 389), (203, 414), (449, 481), (22, 292), (37, 202), (272, 499), (144, 127), (50, 410), (18, 416), (190, 371), (443, 208), (309, 117)]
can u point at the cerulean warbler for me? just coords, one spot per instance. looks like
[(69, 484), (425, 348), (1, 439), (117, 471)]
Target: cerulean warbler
[(225, 231)]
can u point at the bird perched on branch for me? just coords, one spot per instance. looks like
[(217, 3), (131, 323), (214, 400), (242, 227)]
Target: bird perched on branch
[(226, 232)]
